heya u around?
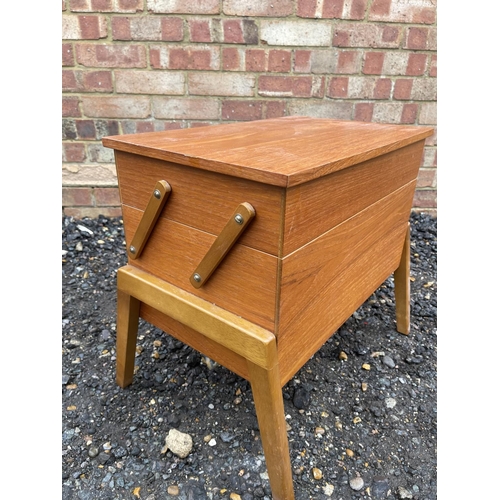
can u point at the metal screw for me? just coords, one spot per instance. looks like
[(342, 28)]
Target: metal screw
[(239, 219), (157, 193), (132, 249), (197, 277)]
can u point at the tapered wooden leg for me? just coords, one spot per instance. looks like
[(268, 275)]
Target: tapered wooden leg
[(402, 288), (268, 398), (127, 324)]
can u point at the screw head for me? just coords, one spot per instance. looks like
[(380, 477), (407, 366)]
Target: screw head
[(197, 277), (239, 219), (132, 249), (157, 193)]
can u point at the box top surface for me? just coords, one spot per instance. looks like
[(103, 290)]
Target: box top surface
[(281, 151)]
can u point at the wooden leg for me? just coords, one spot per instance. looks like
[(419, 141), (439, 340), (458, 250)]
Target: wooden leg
[(402, 288), (127, 324), (268, 398)]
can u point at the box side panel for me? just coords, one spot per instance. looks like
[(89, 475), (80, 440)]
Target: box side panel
[(202, 344), (243, 283), (324, 282), (316, 206), (201, 199)]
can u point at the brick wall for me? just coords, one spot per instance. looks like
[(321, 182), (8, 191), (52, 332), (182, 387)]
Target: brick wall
[(141, 65)]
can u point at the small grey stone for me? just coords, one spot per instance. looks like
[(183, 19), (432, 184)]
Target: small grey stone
[(93, 451), (404, 493), (178, 443), (356, 483), (301, 398), (388, 361), (103, 457)]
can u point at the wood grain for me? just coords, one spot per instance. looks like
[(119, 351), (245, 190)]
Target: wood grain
[(402, 288), (127, 323), (268, 398), (203, 200), (244, 283), (233, 332), (324, 282), (317, 206), (282, 151), (223, 244)]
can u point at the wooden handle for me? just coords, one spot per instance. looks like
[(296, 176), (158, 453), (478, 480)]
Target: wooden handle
[(158, 198), (235, 226)]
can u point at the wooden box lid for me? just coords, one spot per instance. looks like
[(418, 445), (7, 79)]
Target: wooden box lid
[(282, 151)]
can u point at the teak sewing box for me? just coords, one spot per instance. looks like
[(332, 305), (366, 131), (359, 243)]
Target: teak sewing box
[(254, 242)]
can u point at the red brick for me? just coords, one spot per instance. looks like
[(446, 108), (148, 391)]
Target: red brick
[(190, 58), (120, 28), (306, 8), (145, 127), (402, 89), (255, 60), (97, 81), (266, 8), (416, 38), (363, 112), (349, 34), (111, 56), (86, 129), (338, 87), (302, 62), (70, 107), (69, 82), (92, 27), (275, 109), (332, 9), (380, 8), (172, 29), (74, 152), (391, 34), (241, 110), (358, 9), (417, 64), (199, 30), (373, 63), (80, 5), (102, 5), (280, 61), (231, 60), (67, 55), (425, 198), (77, 196), (240, 31), (107, 197), (233, 31), (382, 88), (130, 5), (348, 61), (426, 178), (409, 113), (297, 86)]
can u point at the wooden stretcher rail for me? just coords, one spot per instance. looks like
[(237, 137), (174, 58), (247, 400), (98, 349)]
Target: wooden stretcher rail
[(241, 336)]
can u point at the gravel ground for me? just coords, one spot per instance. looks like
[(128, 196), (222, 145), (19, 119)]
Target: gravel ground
[(361, 414)]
